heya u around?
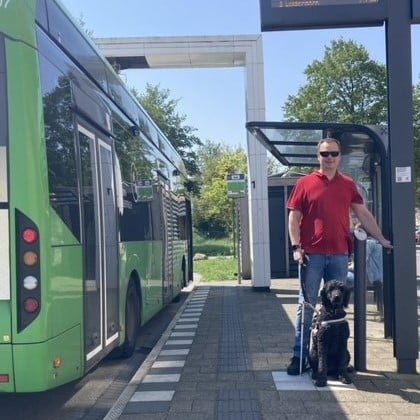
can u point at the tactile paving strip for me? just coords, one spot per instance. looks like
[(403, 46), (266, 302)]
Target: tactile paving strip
[(233, 347)]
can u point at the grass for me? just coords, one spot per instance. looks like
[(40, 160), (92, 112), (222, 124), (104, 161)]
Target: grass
[(220, 265), (216, 269), (213, 247)]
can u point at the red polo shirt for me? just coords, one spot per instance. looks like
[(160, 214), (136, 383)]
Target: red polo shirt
[(325, 207)]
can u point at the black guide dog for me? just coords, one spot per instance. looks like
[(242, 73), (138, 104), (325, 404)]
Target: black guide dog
[(329, 354)]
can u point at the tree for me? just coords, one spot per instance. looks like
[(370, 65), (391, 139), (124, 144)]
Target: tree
[(212, 215), (274, 167), (347, 86), (162, 109)]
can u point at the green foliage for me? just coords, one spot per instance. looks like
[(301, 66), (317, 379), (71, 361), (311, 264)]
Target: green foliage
[(213, 210), (347, 86), (274, 167), (162, 109), (216, 269)]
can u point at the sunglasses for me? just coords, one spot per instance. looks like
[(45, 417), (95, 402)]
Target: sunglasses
[(326, 154)]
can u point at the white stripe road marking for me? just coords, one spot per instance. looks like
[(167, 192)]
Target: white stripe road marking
[(284, 382), (185, 327), (178, 342), (178, 352), (191, 319), (168, 364), (183, 334), (143, 396), (173, 377)]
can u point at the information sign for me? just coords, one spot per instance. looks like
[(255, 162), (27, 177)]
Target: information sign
[(415, 6), (236, 186), (277, 15), (303, 3)]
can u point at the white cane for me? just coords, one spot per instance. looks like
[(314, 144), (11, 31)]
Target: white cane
[(302, 319), (302, 274), (301, 337)]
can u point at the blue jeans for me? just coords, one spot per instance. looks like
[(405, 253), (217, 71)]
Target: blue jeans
[(318, 267)]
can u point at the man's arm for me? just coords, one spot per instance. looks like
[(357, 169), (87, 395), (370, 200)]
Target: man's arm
[(294, 233), (369, 223), (294, 226)]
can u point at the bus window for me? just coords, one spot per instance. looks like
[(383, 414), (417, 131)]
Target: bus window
[(59, 136)]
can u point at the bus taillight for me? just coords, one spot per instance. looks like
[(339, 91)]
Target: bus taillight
[(29, 236), (31, 305), (28, 270), (4, 378)]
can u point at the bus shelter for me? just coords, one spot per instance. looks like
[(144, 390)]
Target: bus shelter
[(364, 158)]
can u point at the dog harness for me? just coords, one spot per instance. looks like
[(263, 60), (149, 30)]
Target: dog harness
[(316, 324), (333, 321)]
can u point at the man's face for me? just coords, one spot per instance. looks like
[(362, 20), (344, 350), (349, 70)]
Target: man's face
[(329, 156)]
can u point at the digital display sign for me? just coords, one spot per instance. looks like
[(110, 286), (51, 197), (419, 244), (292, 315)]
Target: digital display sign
[(415, 5), (308, 3), (277, 15)]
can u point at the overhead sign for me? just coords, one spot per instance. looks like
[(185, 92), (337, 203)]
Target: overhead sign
[(300, 3), (236, 186), (415, 5), (277, 15)]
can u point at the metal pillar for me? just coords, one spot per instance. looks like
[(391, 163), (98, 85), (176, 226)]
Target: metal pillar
[(402, 188), (360, 237)]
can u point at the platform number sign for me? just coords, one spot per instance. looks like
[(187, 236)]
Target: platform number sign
[(236, 186)]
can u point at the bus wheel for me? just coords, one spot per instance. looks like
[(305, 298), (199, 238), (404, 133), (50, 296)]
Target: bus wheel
[(184, 273), (132, 323)]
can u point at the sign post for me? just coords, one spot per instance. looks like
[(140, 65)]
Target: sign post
[(236, 188)]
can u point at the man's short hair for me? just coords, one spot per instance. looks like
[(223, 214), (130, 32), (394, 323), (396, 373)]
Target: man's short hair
[(329, 140)]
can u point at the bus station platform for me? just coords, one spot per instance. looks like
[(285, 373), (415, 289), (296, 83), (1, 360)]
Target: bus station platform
[(224, 356)]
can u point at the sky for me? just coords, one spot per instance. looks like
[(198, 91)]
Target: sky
[(213, 100)]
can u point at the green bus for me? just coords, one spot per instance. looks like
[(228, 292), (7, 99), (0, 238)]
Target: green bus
[(95, 219)]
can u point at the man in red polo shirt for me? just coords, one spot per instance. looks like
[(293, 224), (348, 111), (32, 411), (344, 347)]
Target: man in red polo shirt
[(319, 229)]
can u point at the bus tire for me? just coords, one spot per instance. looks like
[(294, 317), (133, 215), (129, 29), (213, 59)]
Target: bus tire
[(184, 273), (132, 323)]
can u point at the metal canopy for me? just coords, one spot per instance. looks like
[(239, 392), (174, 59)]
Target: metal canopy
[(294, 143)]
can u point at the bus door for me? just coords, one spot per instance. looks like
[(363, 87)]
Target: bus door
[(99, 243)]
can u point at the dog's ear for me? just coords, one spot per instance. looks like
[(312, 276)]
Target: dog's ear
[(346, 295), (324, 297)]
